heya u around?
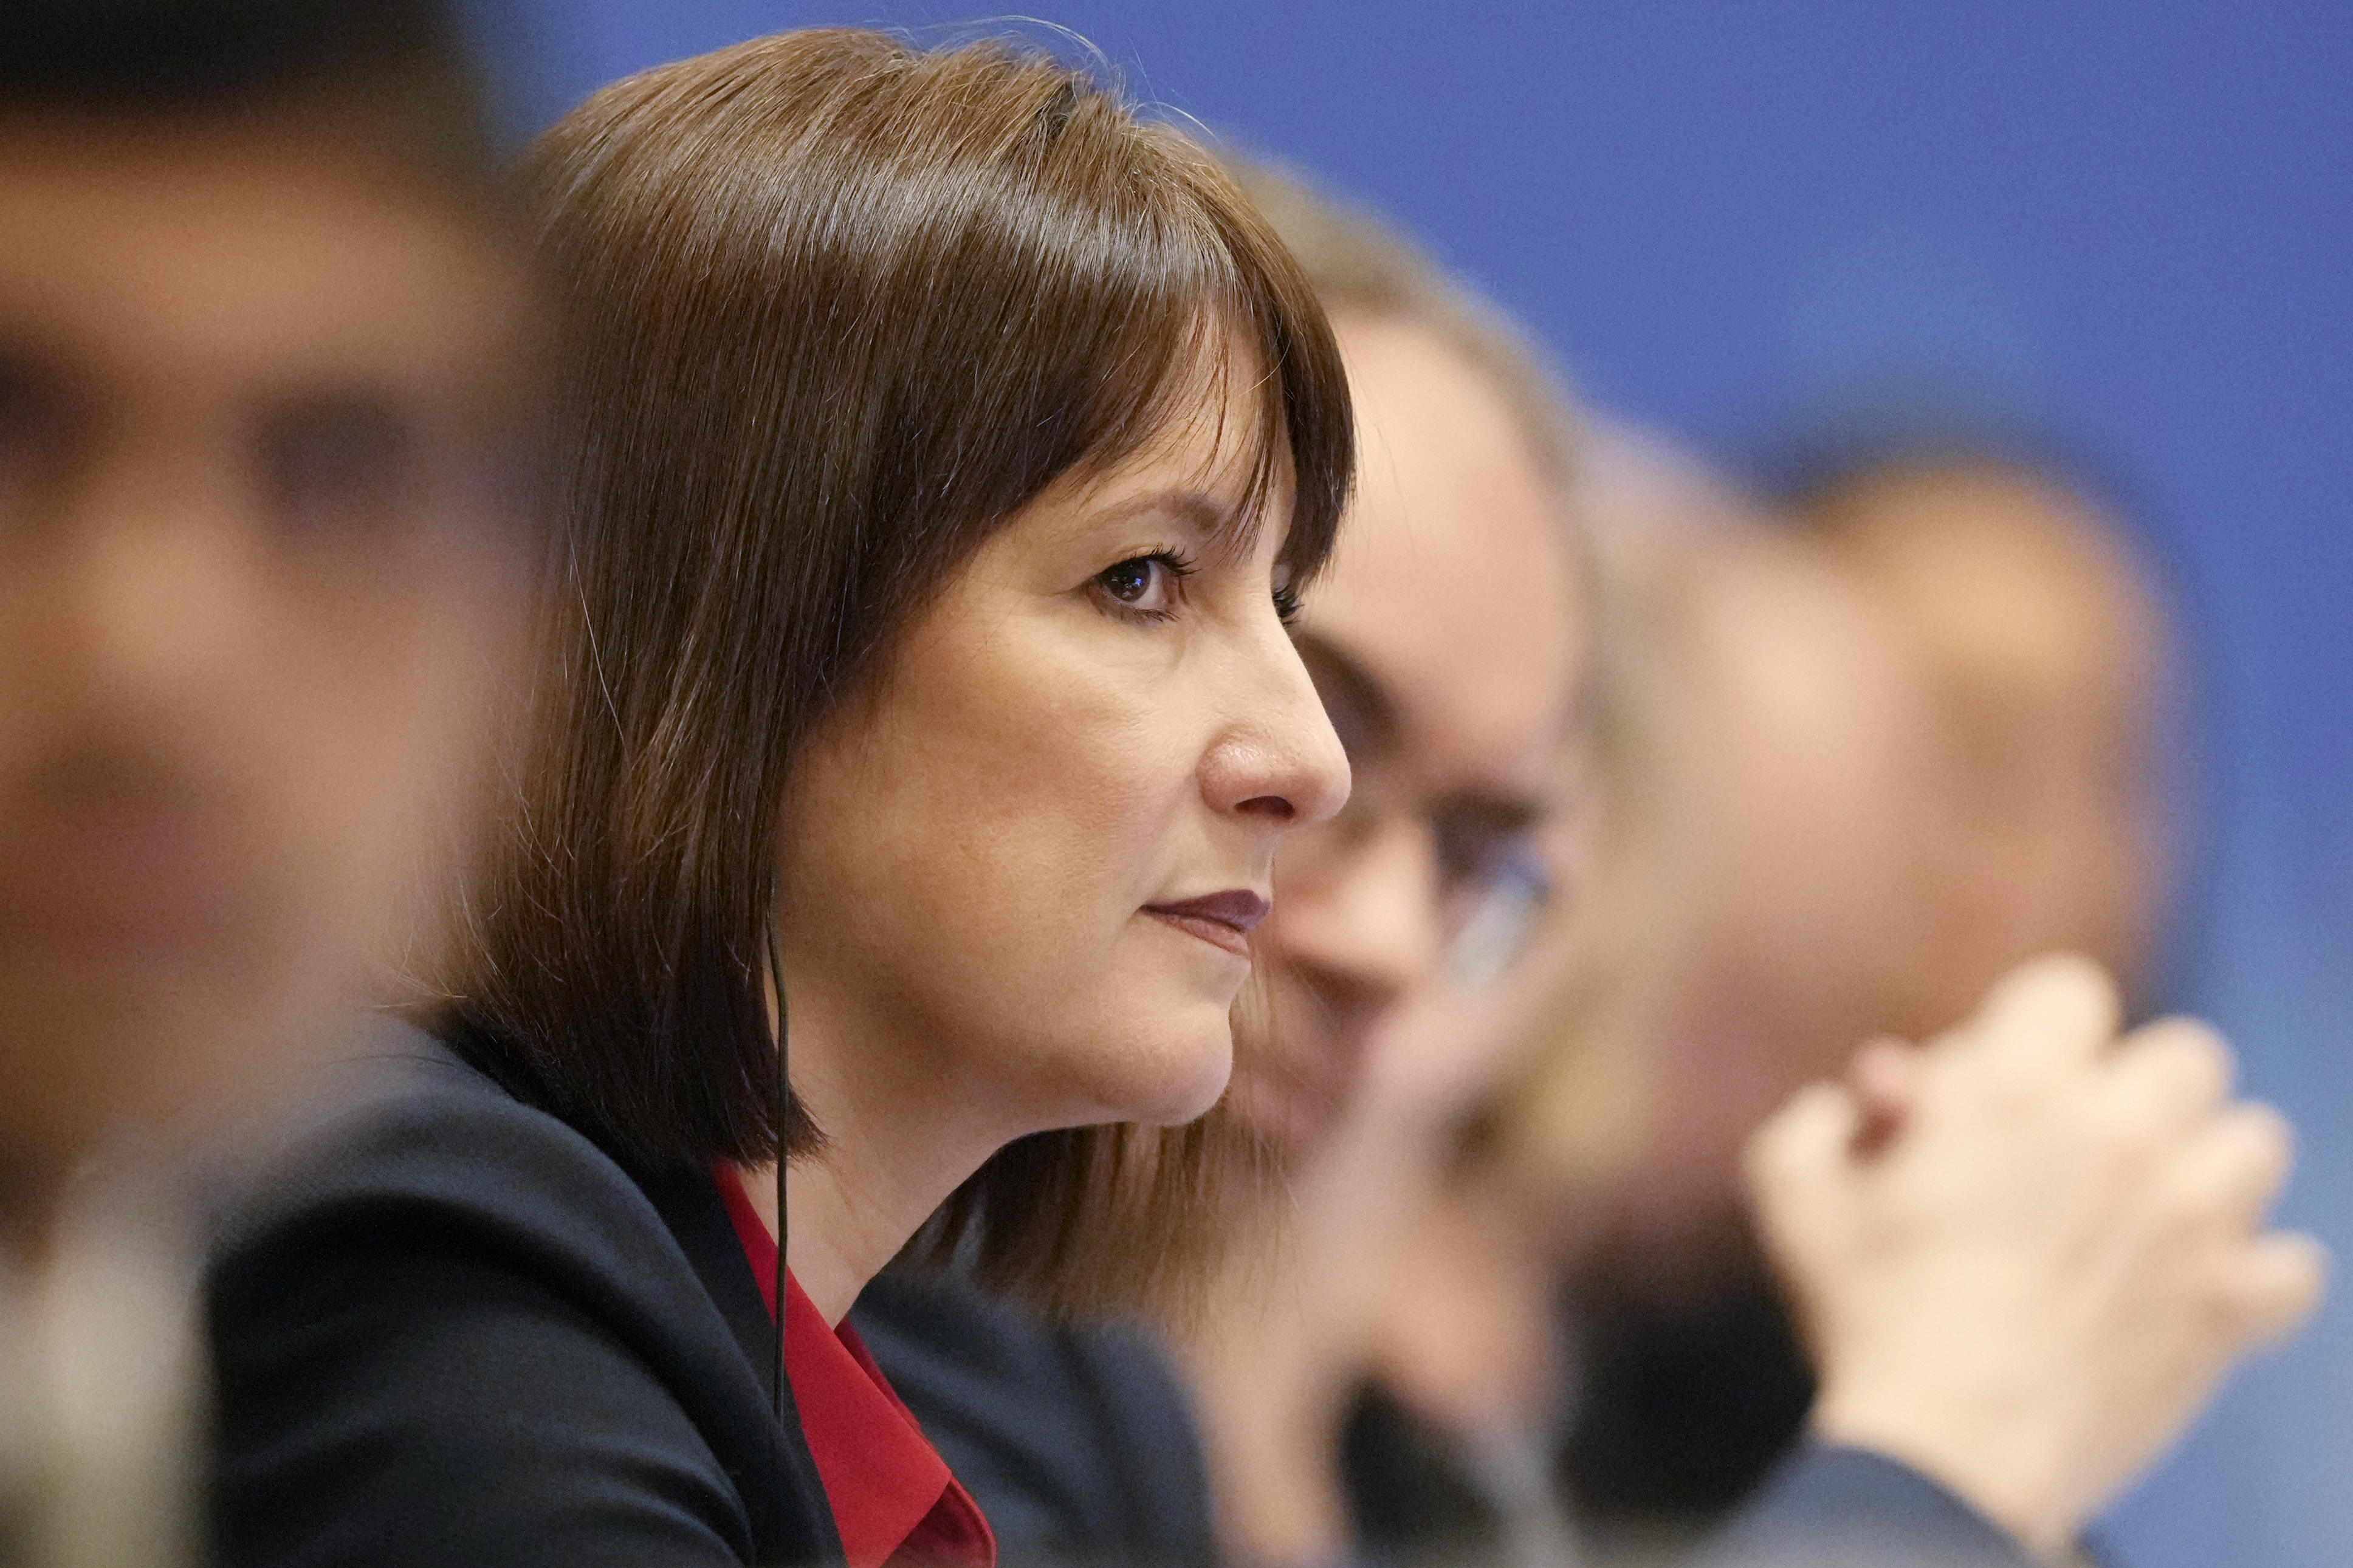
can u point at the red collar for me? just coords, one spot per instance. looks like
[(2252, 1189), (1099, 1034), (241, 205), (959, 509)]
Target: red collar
[(893, 1499)]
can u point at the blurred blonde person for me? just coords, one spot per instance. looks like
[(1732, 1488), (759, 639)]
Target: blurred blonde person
[(1429, 642), (1869, 875)]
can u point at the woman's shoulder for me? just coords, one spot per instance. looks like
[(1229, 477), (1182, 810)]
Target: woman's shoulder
[(439, 1314), (399, 1121), (1078, 1442)]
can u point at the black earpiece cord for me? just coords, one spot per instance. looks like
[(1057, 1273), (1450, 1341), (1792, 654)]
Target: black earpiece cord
[(783, 1100)]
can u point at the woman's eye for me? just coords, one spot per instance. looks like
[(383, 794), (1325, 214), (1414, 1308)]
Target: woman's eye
[(1143, 582)]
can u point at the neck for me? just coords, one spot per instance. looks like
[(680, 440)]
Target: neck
[(898, 1139)]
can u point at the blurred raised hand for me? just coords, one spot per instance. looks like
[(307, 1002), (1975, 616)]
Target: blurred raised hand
[(2026, 1255)]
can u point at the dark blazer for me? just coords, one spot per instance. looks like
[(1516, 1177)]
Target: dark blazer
[(448, 1328), (1080, 1448), (1078, 1444), (1848, 1508)]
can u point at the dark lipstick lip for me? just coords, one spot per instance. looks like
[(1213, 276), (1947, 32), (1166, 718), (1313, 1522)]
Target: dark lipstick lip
[(1236, 907)]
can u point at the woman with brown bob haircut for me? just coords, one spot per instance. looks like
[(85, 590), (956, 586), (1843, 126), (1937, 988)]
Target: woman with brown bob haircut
[(940, 450)]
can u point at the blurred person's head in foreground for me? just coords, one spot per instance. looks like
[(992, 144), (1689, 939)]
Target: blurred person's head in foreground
[(2039, 625), (263, 392)]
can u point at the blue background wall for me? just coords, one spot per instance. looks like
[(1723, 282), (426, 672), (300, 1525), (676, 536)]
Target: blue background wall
[(2137, 216)]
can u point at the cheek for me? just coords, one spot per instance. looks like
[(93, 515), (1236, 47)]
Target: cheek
[(367, 760), (973, 860), (1049, 786), (320, 742), (319, 770)]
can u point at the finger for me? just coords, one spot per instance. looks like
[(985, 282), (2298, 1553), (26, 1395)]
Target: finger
[(2171, 1073), (2275, 1284), (1791, 1166), (2233, 1167), (2054, 1010), (1801, 1145), (1885, 1078)]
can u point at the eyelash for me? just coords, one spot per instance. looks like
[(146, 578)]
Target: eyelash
[(1178, 567)]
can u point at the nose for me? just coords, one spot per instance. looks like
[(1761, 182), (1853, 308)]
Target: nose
[(1279, 761), (151, 576)]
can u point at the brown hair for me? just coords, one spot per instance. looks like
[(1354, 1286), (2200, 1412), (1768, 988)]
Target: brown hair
[(836, 309)]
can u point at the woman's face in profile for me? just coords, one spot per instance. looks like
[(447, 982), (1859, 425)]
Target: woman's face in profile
[(1020, 875)]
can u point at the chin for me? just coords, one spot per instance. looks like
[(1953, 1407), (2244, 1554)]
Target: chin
[(1172, 1072), (79, 1060)]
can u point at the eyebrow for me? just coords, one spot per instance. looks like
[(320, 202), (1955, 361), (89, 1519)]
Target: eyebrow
[(1229, 530), (1503, 816)]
